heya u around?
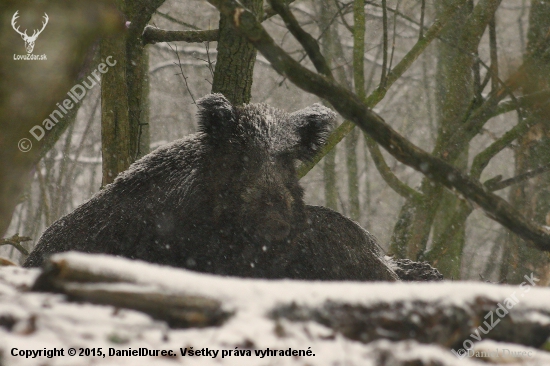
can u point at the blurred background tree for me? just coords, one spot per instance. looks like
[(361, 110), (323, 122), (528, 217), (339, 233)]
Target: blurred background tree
[(429, 68)]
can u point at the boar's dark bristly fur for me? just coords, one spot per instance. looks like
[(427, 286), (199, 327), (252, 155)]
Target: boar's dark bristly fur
[(227, 201)]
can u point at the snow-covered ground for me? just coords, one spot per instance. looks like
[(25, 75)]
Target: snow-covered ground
[(33, 321)]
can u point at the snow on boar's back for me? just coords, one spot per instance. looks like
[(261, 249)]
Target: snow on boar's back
[(227, 201)]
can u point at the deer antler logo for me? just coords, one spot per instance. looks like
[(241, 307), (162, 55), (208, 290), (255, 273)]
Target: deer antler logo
[(29, 41)]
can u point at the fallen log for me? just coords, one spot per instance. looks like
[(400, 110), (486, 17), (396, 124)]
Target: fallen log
[(402, 323)]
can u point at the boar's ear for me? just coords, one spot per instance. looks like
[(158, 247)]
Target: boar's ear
[(313, 125), (217, 116)]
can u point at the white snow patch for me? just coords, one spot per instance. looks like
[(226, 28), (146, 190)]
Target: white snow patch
[(48, 321)]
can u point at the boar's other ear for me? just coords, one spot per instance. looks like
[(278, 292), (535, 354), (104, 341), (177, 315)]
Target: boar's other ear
[(217, 116), (313, 125)]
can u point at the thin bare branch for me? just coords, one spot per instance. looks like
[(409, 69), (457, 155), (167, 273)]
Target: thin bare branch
[(484, 157), (385, 44), (306, 40), (385, 172), (495, 185), (393, 36), (16, 241), (155, 35), (339, 133), (494, 54), (422, 14), (342, 16), (523, 102), (352, 108), (269, 12), (359, 48), (359, 81), (476, 24), (177, 21), (470, 127), (208, 60), (182, 73)]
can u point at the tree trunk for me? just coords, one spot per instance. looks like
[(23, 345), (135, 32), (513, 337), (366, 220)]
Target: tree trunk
[(183, 299), (236, 58), (115, 121), (144, 138), (353, 178), (532, 197), (329, 179), (124, 94), (438, 208), (359, 86), (328, 47)]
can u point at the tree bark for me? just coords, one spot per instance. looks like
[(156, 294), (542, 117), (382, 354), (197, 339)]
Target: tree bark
[(236, 58), (328, 48), (454, 80), (359, 85), (532, 197), (125, 125), (437, 209), (116, 136)]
